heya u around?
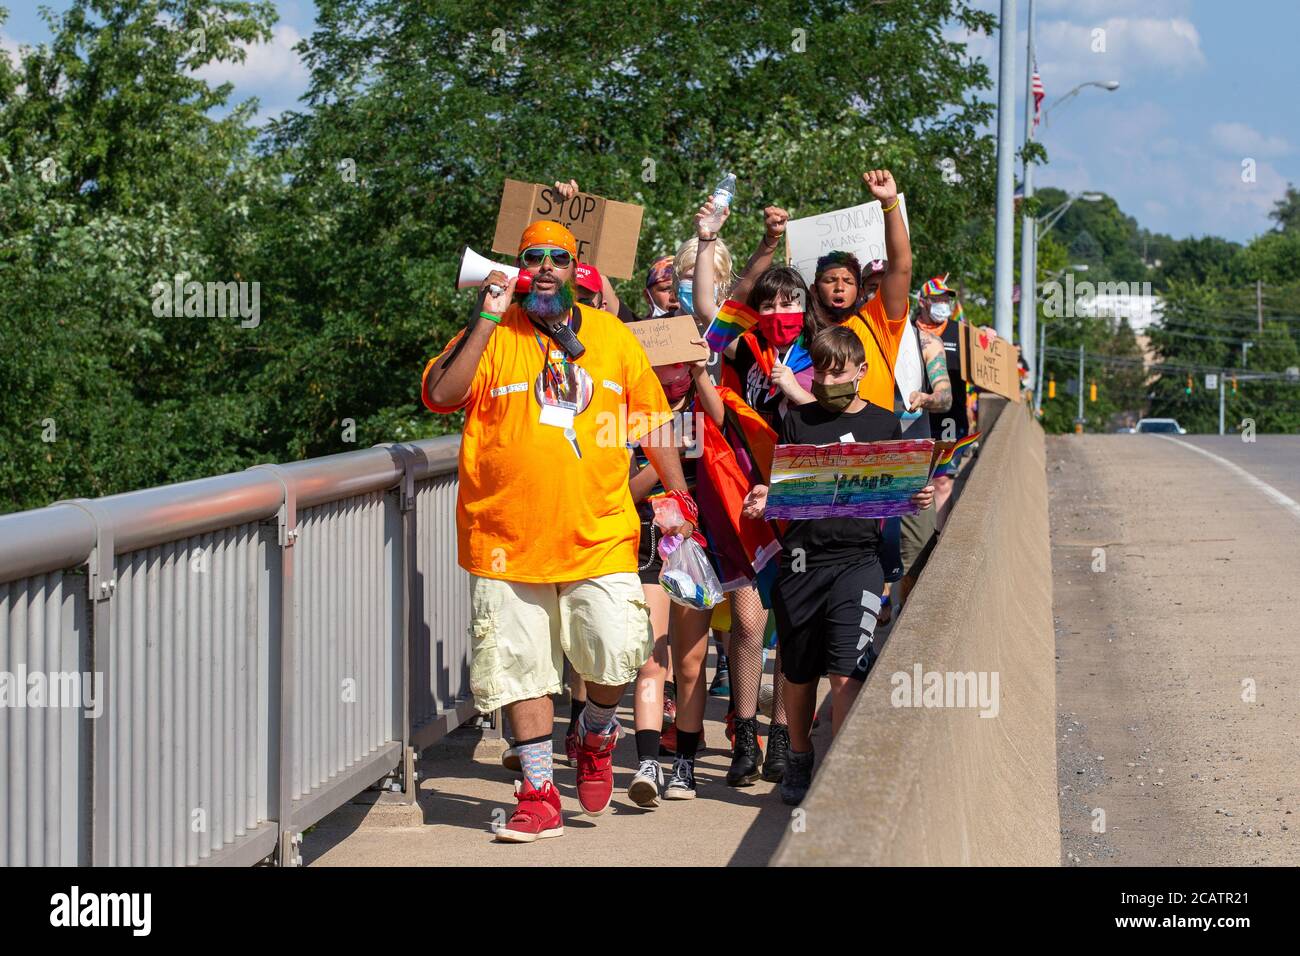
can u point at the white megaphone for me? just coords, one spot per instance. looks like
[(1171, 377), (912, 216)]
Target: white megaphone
[(475, 268)]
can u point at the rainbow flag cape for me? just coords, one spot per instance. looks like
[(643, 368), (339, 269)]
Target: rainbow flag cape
[(732, 320), (797, 359), (944, 465), (740, 547)]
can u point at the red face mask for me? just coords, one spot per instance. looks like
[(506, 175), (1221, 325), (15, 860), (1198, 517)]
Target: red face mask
[(781, 328), (676, 380)]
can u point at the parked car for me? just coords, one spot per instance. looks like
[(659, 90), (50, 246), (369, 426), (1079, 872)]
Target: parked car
[(1167, 426)]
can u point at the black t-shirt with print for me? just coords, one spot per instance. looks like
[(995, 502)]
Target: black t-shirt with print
[(834, 540), (754, 384)]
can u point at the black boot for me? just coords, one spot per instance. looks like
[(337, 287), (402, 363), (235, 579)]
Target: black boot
[(746, 757), (778, 745), (797, 779)]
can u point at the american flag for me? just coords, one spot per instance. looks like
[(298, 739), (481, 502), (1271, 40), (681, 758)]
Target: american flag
[(1036, 85)]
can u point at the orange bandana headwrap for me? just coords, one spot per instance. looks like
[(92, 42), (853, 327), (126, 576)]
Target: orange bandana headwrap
[(544, 232)]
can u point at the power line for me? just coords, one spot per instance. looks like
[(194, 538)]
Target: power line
[(1053, 351)]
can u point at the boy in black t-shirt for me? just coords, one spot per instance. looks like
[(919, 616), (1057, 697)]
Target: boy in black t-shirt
[(827, 593)]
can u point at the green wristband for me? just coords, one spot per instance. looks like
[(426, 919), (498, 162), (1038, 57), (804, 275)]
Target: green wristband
[(495, 319)]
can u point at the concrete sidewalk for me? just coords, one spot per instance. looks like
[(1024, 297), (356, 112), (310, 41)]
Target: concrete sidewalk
[(459, 795)]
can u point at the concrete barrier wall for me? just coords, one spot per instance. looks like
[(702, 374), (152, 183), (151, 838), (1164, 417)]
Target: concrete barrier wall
[(943, 785)]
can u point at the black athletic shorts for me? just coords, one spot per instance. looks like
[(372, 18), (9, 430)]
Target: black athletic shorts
[(648, 563), (826, 619)]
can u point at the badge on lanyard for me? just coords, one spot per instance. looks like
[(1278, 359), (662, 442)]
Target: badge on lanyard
[(563, 389)]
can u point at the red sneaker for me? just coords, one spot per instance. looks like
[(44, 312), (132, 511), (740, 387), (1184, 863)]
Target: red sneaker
[(571, 748), (670, 711), (596, 771), (668, 741), (536, 817)]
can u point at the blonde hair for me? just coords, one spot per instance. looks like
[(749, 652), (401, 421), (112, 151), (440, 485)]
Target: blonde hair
[(722, 277)]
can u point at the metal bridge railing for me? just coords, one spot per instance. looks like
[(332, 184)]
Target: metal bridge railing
[(194, 674)]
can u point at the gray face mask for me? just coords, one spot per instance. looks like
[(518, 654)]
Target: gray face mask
[(940, 311)]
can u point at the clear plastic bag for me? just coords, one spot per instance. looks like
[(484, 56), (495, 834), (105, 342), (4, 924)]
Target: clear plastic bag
[(687, 575)]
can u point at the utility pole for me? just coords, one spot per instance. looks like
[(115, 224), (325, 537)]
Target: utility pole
[(1038, 392), (1078, 426), (1028, 226), (1005, 245), (1259, 303), (1222, 376)]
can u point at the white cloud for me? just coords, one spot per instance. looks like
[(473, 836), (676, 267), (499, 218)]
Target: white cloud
[(1085, 9), (1243, 140), (1175, 180), (9, 46), (1120, 47), (267, 67)]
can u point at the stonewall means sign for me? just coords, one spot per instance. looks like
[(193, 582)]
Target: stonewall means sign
[(859, 230)]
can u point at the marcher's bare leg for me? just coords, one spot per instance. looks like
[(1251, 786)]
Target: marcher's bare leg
[(689, 648), (800, 701), (844, 691), (648, 697), (530, 719), (942, 500)]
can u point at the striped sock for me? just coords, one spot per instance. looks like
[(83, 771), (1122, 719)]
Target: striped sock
[(535, 758), (596, 719)]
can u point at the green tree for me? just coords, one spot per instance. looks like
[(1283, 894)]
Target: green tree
[(115, 176), (436, 105), (1286, 211)]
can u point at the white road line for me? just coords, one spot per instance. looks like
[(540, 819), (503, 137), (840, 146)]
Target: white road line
[(1290, 504)]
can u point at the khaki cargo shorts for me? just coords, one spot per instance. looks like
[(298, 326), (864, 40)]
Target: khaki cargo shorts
[(521, 633)]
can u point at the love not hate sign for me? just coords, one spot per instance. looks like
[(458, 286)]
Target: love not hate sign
[(850, 479)]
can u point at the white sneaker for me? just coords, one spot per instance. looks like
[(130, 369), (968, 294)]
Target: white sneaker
[(647, 785), (682, 784)]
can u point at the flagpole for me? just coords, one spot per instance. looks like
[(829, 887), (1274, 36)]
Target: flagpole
[(1028, 224), (1005, 246)]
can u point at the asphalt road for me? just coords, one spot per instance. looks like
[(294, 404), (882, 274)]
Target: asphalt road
[(1176, 583)]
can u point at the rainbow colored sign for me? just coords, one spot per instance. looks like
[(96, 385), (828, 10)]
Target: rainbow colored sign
[(849, 479)]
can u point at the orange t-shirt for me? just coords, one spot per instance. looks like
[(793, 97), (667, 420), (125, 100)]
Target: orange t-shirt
[(877, 385), (530, 509)]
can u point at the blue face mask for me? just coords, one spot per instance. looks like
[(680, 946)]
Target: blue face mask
[(686, 294)]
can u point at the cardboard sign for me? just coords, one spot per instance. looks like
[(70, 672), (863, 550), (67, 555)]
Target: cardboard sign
[(858, 229), (607, 231), (849, 479), (669, 340), (990, 363)]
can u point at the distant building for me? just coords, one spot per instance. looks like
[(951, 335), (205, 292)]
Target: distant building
[(1112, 298)]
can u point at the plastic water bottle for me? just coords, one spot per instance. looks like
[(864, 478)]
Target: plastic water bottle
[(722, 195)]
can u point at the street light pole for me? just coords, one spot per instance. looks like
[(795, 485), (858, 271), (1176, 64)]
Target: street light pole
[(1005, 245), (1110, 86), (1079, 422), (1028, 225), (1222, 376), (1038, 392)]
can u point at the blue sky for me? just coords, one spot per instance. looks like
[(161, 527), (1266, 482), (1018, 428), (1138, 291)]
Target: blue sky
[(1205, 86)]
